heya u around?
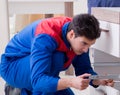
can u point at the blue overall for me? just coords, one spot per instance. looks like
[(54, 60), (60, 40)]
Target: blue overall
[(32, 62)]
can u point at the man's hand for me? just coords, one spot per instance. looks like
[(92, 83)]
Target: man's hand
[(80, 82), (107, 82)]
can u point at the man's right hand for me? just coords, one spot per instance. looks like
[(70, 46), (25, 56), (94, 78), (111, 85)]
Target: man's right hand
[(80, 82)]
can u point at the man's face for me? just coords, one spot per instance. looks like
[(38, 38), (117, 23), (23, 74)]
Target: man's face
[(80, 44)]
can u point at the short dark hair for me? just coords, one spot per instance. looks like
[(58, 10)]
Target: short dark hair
[(85, 25)]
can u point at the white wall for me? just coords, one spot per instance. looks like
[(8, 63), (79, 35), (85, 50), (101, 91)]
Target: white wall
[(3, 25), (80, 6)]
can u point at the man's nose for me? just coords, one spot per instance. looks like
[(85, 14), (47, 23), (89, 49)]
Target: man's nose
[(85, 49)]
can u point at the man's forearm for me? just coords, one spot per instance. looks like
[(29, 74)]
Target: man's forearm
[(79, 82), (64, 83)]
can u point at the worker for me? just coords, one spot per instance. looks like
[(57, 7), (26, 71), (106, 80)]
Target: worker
[(34, 57)]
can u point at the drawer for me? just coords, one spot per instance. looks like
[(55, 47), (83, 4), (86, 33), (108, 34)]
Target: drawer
[(109, 18), (109, 42), (107, 14)]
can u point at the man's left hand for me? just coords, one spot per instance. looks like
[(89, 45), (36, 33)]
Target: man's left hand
[(107, 82)]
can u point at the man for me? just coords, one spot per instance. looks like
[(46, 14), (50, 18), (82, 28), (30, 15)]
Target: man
[(36, 55), (102, 3)]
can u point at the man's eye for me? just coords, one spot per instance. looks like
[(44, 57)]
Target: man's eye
[(83, 43)]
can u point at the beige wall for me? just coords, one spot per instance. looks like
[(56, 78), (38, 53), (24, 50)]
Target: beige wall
[(22, 20)]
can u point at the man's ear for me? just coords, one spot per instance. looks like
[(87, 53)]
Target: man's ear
[(71, 34)]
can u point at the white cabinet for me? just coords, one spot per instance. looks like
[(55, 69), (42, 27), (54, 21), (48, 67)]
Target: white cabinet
[(106, 56), (109, 42), (109, 19)]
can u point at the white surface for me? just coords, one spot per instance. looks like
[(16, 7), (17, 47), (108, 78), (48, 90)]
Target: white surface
[(80, 7), (45, 6), (109, 42), (4, 30), (108, 90), (37, 6), (2, 84)]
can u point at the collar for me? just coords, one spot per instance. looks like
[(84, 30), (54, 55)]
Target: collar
[(64, 34)]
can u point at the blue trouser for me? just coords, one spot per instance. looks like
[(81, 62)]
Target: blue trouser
[(64, 92), (15, 72), (61, 92), (17, 75), (102, 3)]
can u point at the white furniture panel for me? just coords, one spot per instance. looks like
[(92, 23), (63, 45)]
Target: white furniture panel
[(109, 42), (109, 18), (106, 57)]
